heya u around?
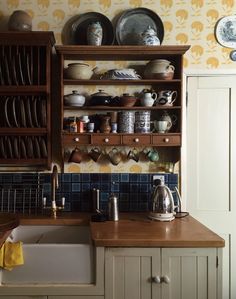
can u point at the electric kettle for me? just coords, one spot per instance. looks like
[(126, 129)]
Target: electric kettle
[(162, 203)]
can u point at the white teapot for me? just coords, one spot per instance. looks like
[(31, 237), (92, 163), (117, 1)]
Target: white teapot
[(147, 98)]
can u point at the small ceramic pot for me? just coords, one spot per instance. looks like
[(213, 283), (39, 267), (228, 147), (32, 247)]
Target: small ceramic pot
[(74, 99), (159, 69), (147, 98), (149, 37), (127, 100), (80, 71), (20, 21)]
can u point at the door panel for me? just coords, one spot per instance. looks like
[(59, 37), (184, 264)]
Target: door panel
[(192, 273), (129, 272), (211, 162)]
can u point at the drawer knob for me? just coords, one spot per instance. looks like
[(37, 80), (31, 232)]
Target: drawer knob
[(76, 139), (136, 140), (156, 279), (166, 140), (106, 140)]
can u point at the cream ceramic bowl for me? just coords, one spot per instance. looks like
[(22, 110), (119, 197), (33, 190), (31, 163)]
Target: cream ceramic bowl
[(79, 71)]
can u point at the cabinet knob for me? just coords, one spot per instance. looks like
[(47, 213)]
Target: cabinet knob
[(166, 140), (106, 140), (76, 139), (156, 279), (136, 140), (165, 279)]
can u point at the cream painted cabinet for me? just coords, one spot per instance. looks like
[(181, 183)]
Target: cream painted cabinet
[(168, 273), (75, 297), (23, 297)]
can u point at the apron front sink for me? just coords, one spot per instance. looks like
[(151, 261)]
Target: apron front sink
[(52, 255)]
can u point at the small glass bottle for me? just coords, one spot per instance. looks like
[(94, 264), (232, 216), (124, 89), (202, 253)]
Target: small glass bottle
[(73, 126)]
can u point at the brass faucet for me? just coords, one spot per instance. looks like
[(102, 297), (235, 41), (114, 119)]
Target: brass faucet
[(54, 185)]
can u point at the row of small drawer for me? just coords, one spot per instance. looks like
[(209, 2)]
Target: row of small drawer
[(121, 139)]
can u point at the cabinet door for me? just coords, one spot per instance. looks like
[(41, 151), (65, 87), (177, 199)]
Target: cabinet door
[(129, 273), (211, 163), (189, 273), (22, 297), (75, 297)]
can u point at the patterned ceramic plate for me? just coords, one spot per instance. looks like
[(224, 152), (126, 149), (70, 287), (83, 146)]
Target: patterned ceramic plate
[(133, 22), (225, 31)]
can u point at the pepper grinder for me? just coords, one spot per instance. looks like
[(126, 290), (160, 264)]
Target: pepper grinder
[(113, 212)]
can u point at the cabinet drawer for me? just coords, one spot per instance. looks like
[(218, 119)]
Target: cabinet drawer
[(166, 140), (106, 139), (136, 139), (76, 139)]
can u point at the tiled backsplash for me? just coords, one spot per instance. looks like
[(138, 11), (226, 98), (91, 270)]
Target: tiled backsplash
[(24, 192)]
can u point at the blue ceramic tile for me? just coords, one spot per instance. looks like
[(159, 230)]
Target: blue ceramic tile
[(133, 177), (134, 197), (173, 178), (105, 187), (66, 187), (85, 177), (17, 178), (66, 177), (124, 196), (46, 177), (75, 187), (105, 177), (124, 177), (76, 196), (85, 187), (96, 185), (115, 187), (104, 196), (76, 206), (134, 188), (95, 177), (115, 177), (124, 187), (144, 178), (75, 177), (47, 187), (144, 187), (6, 178), (67, 207)]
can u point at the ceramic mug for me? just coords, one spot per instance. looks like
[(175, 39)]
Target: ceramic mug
[(76, 155), (166, 97), (134, 155), (161, 126), (95, 154), (153, 155), (115, 156)]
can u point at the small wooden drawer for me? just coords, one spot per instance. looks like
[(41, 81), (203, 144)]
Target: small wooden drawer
[(136, 139), (104, 139), (76, 139), (166, 140)]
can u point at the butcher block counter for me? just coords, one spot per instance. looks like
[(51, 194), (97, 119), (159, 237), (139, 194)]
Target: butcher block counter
[(136, 230)]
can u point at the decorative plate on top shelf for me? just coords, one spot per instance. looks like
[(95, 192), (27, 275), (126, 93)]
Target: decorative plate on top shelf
[(77, 28), (135, 21), (225, 31)]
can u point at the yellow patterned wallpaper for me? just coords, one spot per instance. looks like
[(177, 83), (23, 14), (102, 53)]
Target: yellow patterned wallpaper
[(186, 22), (189, 22)]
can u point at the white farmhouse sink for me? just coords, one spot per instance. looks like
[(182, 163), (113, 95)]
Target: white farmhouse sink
[(52, 255)]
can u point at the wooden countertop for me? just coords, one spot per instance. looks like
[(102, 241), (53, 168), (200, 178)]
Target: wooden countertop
[(136, 230)]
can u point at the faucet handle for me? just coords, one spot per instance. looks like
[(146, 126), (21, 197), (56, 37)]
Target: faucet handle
[(63, 199)]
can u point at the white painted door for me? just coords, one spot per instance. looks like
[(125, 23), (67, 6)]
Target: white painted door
[(211, 163), (129, 273), (189, 273)]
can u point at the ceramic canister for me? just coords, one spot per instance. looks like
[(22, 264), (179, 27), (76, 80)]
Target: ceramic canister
[(126, 121), (142, 122)]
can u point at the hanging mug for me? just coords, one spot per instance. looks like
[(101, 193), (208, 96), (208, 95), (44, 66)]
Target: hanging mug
[(115, 156), (76, 155), (166, 97)]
